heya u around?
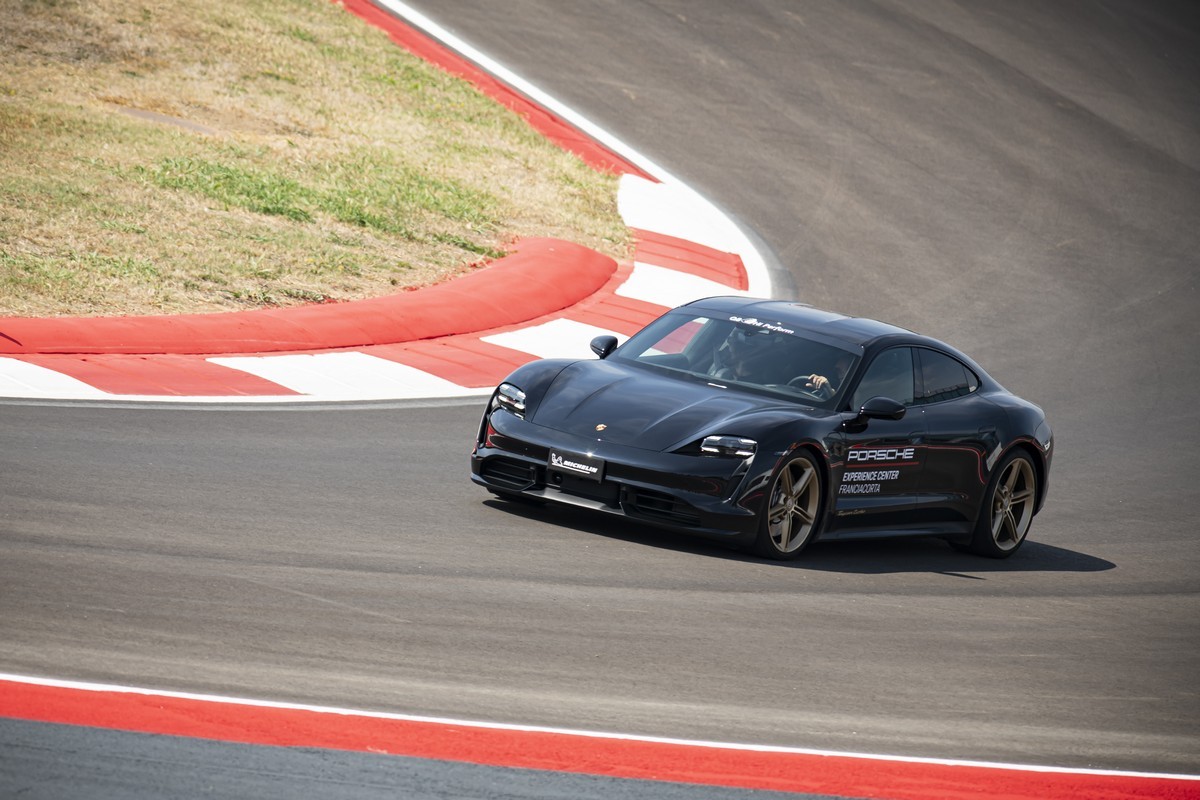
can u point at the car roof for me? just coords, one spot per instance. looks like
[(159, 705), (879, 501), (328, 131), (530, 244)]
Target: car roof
[(854, 330)]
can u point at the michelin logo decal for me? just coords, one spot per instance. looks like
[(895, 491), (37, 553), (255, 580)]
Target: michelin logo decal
[(574, 466)]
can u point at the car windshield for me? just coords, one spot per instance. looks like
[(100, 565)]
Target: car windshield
[(761, 356)]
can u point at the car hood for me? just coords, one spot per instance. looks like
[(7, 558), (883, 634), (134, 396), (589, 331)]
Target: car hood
[(641, 408)]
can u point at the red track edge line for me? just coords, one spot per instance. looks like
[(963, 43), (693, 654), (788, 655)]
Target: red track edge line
[(706, 763)]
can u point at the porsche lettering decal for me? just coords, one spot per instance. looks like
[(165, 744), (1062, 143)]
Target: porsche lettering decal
[(881, 455)]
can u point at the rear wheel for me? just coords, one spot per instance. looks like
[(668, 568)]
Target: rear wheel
[(793, 510), (1007, 510)]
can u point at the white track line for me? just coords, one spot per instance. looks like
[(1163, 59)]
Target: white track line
[(241, 701), (683, 198)]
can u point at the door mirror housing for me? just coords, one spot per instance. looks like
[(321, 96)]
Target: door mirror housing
[(881, 408), (603, 345)]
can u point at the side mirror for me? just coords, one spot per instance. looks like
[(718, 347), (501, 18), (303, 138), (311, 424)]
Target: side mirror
[(603, 345), (882, 408)]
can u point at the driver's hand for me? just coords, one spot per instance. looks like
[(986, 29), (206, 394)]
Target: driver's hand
[(817, 383)]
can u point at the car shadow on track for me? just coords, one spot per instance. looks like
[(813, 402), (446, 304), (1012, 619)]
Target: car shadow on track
[(877, 556)]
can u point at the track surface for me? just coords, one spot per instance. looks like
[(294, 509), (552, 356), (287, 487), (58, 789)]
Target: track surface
[(1022, 184)]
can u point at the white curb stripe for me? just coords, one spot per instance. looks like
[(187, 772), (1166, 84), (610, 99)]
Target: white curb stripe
[(669, 287), (675, 210), (559, 338), (341, 376), (22, 379)]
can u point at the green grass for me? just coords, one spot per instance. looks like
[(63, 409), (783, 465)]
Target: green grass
[(259, 192), (217, 155)]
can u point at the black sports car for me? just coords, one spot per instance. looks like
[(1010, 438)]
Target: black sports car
[(769, 424)]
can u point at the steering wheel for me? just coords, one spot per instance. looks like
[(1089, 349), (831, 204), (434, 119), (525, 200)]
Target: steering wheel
[(804, 385)]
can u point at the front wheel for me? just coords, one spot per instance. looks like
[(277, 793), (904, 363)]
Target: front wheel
[(1007, 510), (792, 515)]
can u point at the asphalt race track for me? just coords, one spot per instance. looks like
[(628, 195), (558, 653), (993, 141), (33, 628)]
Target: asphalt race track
[(1022, 180)]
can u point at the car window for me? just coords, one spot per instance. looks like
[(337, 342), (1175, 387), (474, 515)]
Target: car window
[(943, 377), (889, 375), (746, 354), (677, 339)]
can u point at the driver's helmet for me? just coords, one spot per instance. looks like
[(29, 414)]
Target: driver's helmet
[(747, 353)]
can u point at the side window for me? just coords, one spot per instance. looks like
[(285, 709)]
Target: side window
[(942, 377), (890, 375)]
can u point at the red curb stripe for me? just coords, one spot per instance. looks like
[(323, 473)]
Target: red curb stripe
[(471, 362), (164, 375), (606, 309), (706, 262), (567, 752), (554, 128), (543, 276), (464, 360), (623, 315)]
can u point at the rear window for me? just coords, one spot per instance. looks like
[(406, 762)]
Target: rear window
[(943, 378)]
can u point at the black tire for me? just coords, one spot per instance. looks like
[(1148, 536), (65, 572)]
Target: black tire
[(792, 512), (1007, 510)]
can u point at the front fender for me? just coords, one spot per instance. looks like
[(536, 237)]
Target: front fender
[(772, 454), (535, 378)]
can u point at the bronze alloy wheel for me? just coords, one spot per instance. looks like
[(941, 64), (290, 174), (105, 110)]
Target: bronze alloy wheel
[(793, 509), (1009, 509)]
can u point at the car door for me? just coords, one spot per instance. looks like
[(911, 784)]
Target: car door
[(878, 475), (962, 429)]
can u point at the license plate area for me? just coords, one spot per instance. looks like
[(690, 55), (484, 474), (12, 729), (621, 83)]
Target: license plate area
[(605, 492), (578, 465)]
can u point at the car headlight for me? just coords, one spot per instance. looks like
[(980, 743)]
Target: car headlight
[(510, 398), (728, 446)]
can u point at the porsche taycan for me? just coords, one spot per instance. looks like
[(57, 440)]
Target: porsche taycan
[(770, 424)]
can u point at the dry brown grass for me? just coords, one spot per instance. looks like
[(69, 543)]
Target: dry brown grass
[(206, 155)]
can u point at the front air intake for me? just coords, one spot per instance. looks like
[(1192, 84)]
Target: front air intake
[(660, 506), (509, 474)]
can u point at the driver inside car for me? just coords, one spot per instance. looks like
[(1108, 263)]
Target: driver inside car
[(748, 356), (822, 386)]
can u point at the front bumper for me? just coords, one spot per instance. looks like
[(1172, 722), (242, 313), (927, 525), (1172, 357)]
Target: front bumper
[(698, 495)]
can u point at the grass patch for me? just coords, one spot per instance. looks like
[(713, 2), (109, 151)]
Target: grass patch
[(261, 193), (219, 155)]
